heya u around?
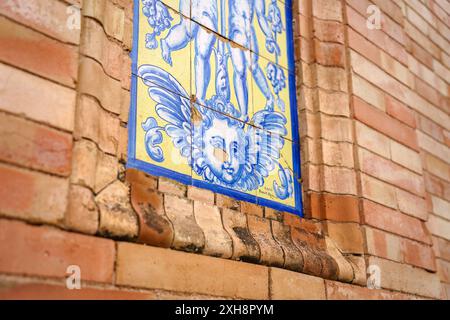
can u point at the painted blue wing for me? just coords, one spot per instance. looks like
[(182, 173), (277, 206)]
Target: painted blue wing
[(172, 106), (265, 142)]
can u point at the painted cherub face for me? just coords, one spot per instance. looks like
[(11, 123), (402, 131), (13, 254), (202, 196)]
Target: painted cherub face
[(224, 150)]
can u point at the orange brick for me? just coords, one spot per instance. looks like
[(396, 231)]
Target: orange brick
[(380, 121), (348, 236), (431, 128), (37, 291), (47, 252), (96, 44), (37, 53), (171, 187), (29, 13), (329, 31), (400, 111), (36, 146), (288, 285), (378, 167), (33, 196), (329, 54), (327, 10), (155, 268), (227, 202), (393, 221), (56, 103), (201, 195), (342, 208), (364, 47), (343, 291), (252, 209), (418, 254)]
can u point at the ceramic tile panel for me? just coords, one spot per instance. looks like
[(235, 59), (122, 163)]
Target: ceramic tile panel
[(213, 98)]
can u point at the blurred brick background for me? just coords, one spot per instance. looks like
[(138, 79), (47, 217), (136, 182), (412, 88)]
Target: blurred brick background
[(374, 117)]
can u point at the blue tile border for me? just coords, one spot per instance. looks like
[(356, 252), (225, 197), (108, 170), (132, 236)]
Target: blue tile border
[(188, 180)]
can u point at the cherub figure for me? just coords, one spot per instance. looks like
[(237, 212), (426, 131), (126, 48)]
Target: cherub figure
[(219, 148), (241, 31), (203, 12)]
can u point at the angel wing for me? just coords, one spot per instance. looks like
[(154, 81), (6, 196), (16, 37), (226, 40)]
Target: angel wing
[(265, 142), (172, 106)]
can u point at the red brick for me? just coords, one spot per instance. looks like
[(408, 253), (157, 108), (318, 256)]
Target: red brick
[(377, 37), (252, 209), (364, 47), (96, 44), (35, 291), (171, 187), (55, 105), (348, 236), (380, 121), (329, 31), (444, 270), (431, 128), (400, 111), (342, 291), (422, 55), (201, 195), (47, 16), (418, 254), (429, 93), (33, 196), (37, 53), (330, 54), (342, 208), (391, 220), (378, 167), (47, 252), (271, 252), (441, 248), (156, 268), (31, 145), (227, 202)]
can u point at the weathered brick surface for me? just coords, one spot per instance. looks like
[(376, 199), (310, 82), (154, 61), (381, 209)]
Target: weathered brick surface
[(47, 252), (217, 241), (188, 235), (35, 291), (18, 96), (245, 247), (288, 285), (117, 217), (147, 267), (271, 252), (373, 109), (32, 196), (82, 213), (47, 16), (401, 277), (37, 53), (35, 146)]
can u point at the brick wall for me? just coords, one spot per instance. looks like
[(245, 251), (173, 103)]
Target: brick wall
[(374, 115)]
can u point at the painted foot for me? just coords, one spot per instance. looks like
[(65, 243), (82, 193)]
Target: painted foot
[(166, 54)]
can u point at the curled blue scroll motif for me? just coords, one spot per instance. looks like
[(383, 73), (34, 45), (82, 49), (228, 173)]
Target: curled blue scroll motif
[(286, 190), (153, 138)]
